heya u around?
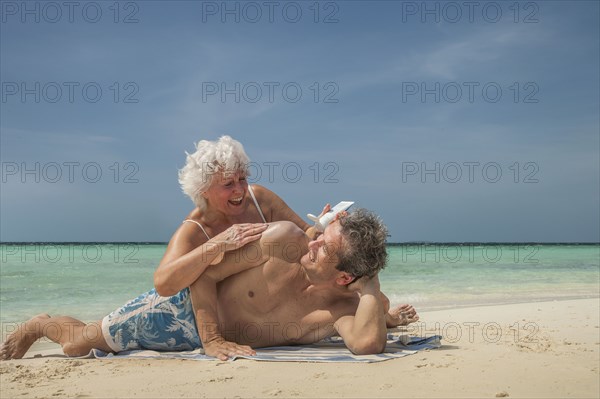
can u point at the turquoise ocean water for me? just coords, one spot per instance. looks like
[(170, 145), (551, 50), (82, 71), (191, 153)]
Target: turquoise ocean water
[(89, 280)]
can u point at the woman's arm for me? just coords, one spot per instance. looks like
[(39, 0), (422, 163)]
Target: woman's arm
[(189, 254), (275, 209)]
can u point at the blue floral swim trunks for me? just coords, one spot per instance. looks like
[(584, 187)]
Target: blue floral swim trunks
[(153, 322)]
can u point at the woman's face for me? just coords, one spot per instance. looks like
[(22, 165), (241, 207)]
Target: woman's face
[(227, 193)]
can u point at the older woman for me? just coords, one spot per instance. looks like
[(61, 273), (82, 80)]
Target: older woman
[(229, 213)]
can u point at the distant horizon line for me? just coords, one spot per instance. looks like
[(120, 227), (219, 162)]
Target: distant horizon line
[(458, 243)]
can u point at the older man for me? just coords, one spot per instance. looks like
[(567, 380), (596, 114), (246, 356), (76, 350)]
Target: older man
[(283, 289), (297, 292)]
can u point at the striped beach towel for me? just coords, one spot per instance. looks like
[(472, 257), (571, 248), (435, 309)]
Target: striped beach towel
[(326, 351)]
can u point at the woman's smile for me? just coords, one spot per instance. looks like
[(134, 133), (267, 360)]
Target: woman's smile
[(237, 201)]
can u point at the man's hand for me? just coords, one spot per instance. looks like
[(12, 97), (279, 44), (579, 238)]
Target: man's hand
[(223, 350), (401, 315)]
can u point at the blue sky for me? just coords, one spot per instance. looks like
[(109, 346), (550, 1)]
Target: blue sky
[(500, 106)]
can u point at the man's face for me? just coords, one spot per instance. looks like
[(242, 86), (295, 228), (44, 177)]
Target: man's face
[(322, 256)]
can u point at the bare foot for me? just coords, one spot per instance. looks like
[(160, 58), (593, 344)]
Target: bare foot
[(19, 342), (403, 315)]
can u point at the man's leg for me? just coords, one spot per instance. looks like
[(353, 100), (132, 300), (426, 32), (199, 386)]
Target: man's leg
[(75, 337)]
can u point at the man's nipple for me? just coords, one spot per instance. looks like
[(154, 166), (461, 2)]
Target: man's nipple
[(251, 294)]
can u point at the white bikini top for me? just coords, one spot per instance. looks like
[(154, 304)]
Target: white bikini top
[(255, 204)]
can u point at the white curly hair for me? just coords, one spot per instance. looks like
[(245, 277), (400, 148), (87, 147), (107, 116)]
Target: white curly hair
[(225, 155)]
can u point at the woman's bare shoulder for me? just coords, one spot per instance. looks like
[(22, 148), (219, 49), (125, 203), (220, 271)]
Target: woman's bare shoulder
[(195, 214), (189, 233), (261, 192)]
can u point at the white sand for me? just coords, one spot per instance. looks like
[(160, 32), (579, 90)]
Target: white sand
[(544, 349)]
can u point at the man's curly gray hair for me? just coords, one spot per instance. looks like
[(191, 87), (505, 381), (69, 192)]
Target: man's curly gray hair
[(225, 155), (363, 251)]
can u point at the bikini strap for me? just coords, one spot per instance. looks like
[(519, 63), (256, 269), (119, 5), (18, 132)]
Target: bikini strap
[(199, 225), (256, 203)]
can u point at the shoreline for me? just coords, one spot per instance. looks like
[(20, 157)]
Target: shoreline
[(533, 349), (434, 307)]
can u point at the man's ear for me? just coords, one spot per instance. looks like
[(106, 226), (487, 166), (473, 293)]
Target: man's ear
[(345, 279)]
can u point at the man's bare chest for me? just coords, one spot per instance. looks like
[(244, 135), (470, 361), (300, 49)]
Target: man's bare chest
[(260, 290)]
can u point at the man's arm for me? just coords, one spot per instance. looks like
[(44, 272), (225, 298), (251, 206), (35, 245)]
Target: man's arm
[(365, 333), (204, 301), (204, 290)]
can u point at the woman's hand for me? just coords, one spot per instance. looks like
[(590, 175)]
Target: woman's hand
[(326, 209), (312, 231), (236, 237)]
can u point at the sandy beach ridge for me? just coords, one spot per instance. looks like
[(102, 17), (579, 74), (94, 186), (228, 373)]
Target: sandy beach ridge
[(540, 349)]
